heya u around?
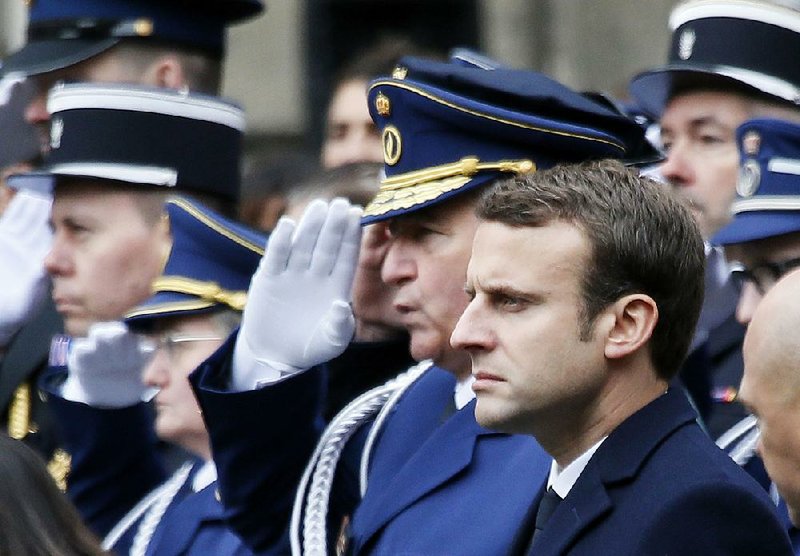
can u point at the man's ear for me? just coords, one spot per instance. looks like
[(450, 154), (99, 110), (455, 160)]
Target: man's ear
[(166, 72), (634, 319)]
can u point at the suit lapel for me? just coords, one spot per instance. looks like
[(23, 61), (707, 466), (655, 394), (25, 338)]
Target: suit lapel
[(447, 451), (587, 502), (617, 460), (415, 418), (179, 527)]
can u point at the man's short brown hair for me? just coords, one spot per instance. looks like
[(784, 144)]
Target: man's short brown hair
[(643, 240)]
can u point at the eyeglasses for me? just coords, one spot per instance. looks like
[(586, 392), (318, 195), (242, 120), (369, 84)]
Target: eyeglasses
[(764, 275), (172, 343)]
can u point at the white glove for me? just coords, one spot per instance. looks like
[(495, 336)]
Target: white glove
[(298, 313), (25, 239), (105, 368)]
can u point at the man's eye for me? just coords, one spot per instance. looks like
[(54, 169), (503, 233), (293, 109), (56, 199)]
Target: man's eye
[(509, 302), (709, 139)]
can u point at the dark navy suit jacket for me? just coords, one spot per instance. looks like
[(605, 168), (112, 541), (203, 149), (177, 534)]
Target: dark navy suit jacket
[(435, 487), (659, 486)]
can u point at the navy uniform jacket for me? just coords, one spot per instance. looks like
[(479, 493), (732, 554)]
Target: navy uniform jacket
[(712, 374), (23, 363), (434, 487), (659, 486), (115, 463)]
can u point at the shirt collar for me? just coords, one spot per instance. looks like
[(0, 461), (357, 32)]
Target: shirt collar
[(562, 480)]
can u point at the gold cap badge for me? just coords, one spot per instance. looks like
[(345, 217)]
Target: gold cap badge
[(392, 145), (143, 27), (382, 105)]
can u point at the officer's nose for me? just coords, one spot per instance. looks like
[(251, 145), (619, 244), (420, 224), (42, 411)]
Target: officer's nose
[(677, 169), (156, 373), (749, 299), (399, 266), (58, 262), (36, 111)]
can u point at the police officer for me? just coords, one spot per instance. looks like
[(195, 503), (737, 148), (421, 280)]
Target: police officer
[(110, 236), (448, 130), (134, 41), (763, 242), (728, 61)]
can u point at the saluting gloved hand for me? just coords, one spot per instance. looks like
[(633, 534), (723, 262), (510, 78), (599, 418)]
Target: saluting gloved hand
[(25, 239), (298, 310), (105, 368)]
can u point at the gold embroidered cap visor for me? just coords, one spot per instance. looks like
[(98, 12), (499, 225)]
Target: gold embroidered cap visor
[(448, 128)]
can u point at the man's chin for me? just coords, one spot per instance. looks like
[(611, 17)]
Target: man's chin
[(77, 328)]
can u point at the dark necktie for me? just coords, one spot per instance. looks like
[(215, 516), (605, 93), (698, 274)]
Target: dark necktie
[(547, 506)]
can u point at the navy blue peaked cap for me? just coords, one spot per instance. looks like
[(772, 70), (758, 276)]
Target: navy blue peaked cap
[(64, 32), (209, 268), (143, 136), (450, 127), (768, 189), (748, 43)]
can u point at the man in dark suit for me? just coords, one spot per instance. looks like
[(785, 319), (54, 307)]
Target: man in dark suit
[(586, 282)]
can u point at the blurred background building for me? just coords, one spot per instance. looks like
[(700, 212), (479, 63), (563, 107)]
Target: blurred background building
[(280, 66)]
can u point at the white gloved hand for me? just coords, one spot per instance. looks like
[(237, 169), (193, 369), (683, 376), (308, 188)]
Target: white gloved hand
[(25, 239), (105, 368), (298, 310)]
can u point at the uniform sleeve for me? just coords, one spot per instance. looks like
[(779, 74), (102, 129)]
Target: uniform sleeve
[(114, 459), (261, 440)]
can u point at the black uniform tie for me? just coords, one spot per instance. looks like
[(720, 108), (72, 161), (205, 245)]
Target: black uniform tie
[(547, 506)]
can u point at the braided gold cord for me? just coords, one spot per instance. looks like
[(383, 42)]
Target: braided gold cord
[(19, 412)]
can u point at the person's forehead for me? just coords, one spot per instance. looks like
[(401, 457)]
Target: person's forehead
[(92, 199), (519, 251), (721, 106), (765, 250)]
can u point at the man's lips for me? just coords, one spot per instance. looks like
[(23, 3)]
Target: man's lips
[(65, 304), (484, 380)]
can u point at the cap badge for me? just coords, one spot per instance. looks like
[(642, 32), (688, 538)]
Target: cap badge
[(143, 27), (399, 72), (749, 178), (382, 105), (686, 44), (392, 145), (56, 131), (751, 143)]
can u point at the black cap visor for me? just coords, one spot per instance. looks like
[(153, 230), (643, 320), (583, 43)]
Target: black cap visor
[(44, 56)]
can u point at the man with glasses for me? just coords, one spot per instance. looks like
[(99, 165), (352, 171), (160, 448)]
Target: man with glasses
[(728, 62), (763, 242)]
